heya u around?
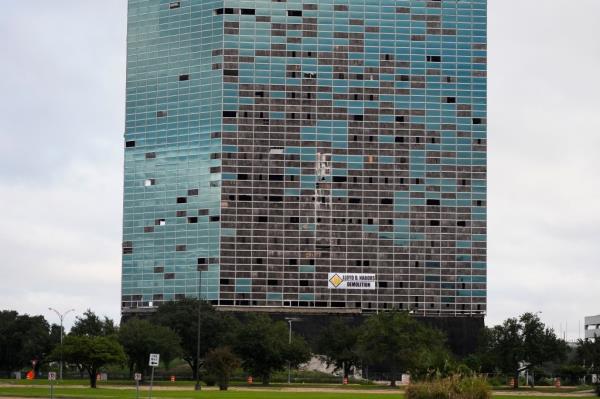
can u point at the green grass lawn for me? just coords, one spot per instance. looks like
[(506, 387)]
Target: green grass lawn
[(68, 392), (105, 393)]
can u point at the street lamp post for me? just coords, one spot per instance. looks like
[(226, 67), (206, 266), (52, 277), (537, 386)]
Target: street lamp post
[(61, 317), (290, 320), (197, 387)]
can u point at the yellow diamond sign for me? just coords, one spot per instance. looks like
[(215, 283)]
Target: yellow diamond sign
[(336, 280)]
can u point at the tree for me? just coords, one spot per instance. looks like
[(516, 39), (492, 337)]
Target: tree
[(93, 326), (263, 347), (181, 316), (588, 355), (338, 344), (400, 343), (140, 338), (91, 353), (523, 344), (23, 338), (221, 362)]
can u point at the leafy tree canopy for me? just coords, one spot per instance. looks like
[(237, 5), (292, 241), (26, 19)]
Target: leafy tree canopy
[(263, 345), (140, 338), (221, 363), (217, 328), (93, 326), (91, 353), (400, 343), (338, 344), (23, 338)]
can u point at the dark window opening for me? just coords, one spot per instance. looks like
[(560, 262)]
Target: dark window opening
[(400, 118), (181, 200), (434, 222), (357, 117), (303, 283), (150, 155), (230, 72), (229, 114), (272, 282), (180, 247), (161, 114), (451, 100), (174, 4), (477, 121), (184, 77), (434, 58), (248, 11), (130, 144), (215, 218), (294, 13), (461, 223), (193, 219), (263, 219), (433, 202)]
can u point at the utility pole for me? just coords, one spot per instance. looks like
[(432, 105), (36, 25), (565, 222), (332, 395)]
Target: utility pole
[(61, 317)]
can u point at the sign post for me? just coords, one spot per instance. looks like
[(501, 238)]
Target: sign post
[(51, 379), (154, 361), (137, 377)]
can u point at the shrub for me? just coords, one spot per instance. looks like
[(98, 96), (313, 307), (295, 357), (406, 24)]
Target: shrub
[(450, 388), (597, 389)]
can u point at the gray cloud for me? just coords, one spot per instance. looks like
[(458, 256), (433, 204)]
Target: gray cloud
[(61, 120)]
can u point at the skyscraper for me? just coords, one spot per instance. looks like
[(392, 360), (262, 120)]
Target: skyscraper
[(306, 155)]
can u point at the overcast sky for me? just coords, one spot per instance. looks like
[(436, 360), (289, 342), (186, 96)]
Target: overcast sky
[(62, 84)]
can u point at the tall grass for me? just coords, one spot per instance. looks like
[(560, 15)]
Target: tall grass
[(450, 388)]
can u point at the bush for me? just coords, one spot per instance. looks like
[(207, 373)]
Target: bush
[(450, 388), (597, 389)]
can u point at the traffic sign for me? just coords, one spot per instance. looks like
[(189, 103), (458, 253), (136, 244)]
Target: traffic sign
[(51, 376), (154, 360), (137, 376)]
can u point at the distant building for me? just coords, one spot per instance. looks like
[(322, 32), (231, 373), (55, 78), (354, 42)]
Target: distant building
[(308, 156), (592, 326)]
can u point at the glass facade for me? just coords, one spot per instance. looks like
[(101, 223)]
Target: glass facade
[(270, 143)]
